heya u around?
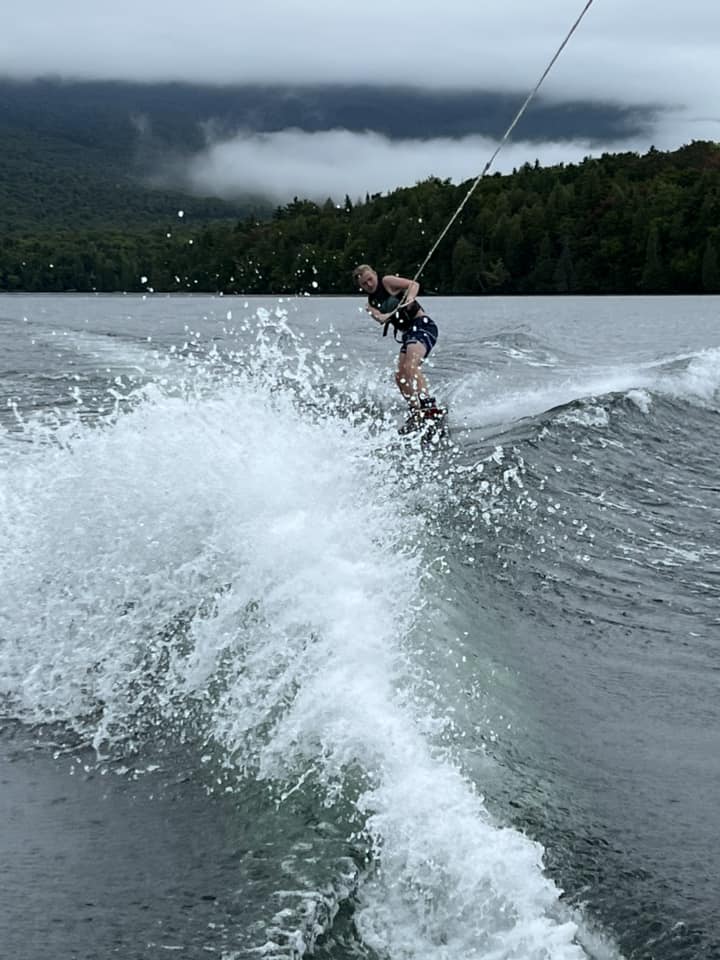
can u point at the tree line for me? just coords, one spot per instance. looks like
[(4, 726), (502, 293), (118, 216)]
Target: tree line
[(619, 224)]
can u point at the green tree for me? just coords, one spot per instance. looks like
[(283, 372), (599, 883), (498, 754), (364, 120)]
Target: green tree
[(541, 280), (710, 268), (496, 276), (654, 276), (564, 276), (466, 265)]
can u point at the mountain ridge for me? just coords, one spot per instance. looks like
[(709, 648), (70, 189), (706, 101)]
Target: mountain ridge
[(87, 154)]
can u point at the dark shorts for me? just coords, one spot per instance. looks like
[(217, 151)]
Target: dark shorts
[(424, 331)]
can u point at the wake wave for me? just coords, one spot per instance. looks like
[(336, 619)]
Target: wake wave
[(222, 558), (484, 400)]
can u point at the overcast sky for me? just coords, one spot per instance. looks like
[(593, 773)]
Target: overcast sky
[(629, 52)]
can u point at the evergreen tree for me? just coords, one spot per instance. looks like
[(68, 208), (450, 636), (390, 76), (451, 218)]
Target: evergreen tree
[(496, 277), (564, 276), (466, 266), (654, 277), (541, 279), (710, 268)]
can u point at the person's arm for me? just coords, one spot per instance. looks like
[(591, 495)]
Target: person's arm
[(377, 315), (401, 287)]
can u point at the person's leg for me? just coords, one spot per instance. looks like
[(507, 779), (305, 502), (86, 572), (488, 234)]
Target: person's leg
[(409, 377)]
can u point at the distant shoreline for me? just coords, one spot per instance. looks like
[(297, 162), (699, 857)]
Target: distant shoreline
[(190, 294)]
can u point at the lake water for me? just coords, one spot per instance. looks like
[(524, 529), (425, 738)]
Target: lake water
[(274, 681)]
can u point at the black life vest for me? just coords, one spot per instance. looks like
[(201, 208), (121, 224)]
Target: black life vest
[(402, 319)]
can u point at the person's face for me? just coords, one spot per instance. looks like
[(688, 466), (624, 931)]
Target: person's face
[(368, 281)]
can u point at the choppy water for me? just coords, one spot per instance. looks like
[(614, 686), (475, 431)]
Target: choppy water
[(274, 682)]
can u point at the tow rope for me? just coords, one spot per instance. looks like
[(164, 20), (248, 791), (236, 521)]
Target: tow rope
[(502, 142)]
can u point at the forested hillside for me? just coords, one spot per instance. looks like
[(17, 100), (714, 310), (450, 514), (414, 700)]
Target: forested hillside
[(79, 162), (622, 223), (110, 154)]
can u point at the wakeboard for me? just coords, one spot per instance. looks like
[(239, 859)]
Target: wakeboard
[(429, 426)]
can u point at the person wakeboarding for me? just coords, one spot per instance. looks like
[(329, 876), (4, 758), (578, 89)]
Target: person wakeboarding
[(392, 300)]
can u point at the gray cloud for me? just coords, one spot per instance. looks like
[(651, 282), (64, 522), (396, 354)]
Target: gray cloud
[(630, 52), (624, 53)]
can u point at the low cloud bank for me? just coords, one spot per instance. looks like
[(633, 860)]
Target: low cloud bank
[(335, 163)]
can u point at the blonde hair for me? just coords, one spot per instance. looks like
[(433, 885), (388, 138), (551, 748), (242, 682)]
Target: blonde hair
[(360, 270)]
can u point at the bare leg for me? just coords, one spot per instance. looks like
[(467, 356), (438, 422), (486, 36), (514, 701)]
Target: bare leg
[(409, 377)]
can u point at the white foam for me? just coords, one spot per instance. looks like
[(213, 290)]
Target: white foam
[(698, 381), (488, 399), (592, 416), (484, 402), (641, 399)]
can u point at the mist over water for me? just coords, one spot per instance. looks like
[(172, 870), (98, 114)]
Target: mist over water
[(415, 681)]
